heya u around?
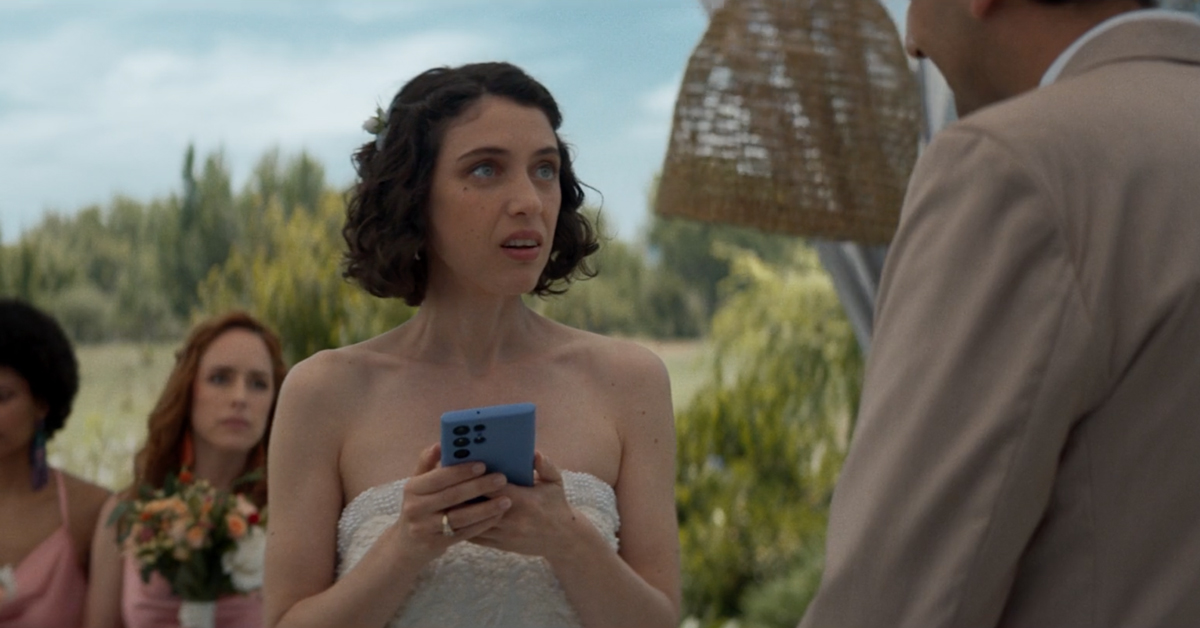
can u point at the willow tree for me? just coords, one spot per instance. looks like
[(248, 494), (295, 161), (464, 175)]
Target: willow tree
[(761, 444)]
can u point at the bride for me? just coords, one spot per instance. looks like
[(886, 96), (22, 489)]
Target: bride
[(466, 201)]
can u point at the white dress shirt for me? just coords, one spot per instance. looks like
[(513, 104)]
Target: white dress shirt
[(1056, 68)]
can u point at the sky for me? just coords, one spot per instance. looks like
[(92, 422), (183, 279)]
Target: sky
[(99, 99)]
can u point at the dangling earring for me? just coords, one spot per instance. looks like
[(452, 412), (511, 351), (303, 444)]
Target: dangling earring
[(417, 255), (37, 457), (260, 457)]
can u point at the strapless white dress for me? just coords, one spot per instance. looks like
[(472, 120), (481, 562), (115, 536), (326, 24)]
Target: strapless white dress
[(470, 585)]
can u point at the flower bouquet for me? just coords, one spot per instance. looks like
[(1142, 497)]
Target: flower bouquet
[(205, 542)]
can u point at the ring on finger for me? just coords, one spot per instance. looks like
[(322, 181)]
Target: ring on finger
[(447, 529)]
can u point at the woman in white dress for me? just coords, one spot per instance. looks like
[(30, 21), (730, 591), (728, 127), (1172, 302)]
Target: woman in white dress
[(466, 201)]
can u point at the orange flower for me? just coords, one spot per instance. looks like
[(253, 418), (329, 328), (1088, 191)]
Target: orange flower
[(156, 506), (185, 476), (236, 525), (196, 536), (177, 506)]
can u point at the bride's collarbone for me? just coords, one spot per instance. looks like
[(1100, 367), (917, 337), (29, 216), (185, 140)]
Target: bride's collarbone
[(432, 394)]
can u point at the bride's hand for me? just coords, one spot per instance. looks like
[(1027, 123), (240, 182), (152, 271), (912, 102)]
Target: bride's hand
[(540, 521), (434, 516)]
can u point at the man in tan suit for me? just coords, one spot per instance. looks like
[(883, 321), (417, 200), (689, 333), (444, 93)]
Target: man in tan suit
[(1028, 447)]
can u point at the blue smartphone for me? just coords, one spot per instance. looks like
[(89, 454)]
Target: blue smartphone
[(502, 437)]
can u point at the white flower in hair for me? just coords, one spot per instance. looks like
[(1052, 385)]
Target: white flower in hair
[(8, 583), (376, 123)]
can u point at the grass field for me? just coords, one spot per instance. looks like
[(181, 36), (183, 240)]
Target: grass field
[(120, 382)]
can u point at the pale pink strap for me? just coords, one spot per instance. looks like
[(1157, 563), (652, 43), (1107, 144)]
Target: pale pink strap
[(62, 497)]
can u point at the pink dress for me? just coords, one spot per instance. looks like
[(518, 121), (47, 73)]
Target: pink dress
[(152, 605), (51, 585)]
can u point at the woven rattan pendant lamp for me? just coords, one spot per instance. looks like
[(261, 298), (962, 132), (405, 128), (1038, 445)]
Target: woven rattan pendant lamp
[(797, 117)]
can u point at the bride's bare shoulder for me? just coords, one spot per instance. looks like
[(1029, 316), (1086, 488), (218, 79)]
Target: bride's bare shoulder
[(331, 382), (348, 366), (328, 369), (612, 358)]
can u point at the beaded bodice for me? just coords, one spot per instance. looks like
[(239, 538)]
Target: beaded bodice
[(471, 585)]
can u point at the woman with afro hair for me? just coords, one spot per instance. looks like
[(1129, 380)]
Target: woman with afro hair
[(46, 515)]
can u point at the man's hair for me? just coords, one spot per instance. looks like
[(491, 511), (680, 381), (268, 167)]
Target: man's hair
[(386, 217)]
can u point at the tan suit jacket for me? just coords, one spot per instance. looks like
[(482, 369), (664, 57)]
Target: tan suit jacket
[(1028, 447)]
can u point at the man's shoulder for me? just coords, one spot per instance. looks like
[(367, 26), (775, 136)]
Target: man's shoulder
[(1167, 37), (1077, 119), (1127, 92), (1039, 117)]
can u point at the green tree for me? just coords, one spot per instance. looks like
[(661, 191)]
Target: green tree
[(628, 296), (17, 265), (297, 183), (607, 303), (689, 250), (98, 271), (130, 270), (205, 230), (1183, 5), (292, 281), (761, 445)]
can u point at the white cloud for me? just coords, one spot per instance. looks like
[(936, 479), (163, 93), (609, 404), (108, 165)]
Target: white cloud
[(656, 111), (661, 100), (102, 99), (371, 11), (84, 113)]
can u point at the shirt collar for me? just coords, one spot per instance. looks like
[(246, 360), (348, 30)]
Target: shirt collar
[(1063, 59)]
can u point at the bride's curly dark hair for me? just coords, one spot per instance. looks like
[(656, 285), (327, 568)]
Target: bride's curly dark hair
[(386, 221)]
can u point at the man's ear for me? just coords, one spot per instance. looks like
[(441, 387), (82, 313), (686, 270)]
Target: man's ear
[(981, 9)]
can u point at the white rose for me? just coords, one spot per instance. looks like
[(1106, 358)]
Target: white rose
[(244, 563), (378, 122), (8, 583)]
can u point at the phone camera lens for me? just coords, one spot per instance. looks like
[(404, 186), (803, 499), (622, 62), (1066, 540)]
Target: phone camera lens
[(462, 453), (479, 440), (460, 430), (480, 428), (462, 442)]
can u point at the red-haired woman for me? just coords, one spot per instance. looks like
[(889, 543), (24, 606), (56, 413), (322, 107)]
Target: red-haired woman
[(213, 418)]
